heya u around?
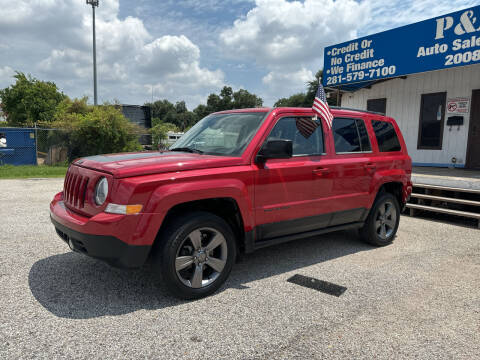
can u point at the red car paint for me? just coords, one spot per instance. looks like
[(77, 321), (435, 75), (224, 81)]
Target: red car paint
[(279, 190)]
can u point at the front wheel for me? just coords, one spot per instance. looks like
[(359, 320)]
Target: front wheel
[(382, 222), (197, 254)]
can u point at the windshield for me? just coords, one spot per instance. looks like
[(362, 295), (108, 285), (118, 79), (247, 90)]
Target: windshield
[(221, 134)]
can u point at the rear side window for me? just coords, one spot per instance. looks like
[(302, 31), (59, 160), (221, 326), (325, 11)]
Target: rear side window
[(350, 135), (386, 136)]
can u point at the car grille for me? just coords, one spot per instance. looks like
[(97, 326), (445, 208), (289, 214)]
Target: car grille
[(74, 190)]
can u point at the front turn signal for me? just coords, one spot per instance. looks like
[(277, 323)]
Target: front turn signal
[(123, 209)]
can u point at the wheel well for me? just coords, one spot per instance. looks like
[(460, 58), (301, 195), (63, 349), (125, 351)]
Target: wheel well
[(394, 188), (226, 208)]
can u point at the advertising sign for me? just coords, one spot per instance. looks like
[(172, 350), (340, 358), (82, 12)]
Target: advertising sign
[(439, 43)]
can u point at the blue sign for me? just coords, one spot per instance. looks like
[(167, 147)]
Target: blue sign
[(440, 43)]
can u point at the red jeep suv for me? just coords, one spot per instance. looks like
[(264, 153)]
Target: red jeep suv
[(237, 181)]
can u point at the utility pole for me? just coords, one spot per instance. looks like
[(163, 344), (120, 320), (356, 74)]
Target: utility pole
[(94, 4)]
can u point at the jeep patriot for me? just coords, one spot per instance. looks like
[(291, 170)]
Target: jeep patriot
[(237, 181)]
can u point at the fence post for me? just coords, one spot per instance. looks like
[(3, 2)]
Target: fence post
[(36, 144)]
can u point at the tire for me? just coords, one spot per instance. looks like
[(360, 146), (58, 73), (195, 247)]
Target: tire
[(382, 222), (184, 254)]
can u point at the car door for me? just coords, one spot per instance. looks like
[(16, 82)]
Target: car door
[(353, 170), (290, 194)]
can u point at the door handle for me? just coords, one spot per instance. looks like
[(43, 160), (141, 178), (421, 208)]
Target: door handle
[(321, 171)]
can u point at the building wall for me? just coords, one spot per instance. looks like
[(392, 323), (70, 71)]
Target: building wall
[(403, 104)]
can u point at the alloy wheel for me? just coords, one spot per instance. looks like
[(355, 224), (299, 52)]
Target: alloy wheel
[(385, 220), (201, 257)]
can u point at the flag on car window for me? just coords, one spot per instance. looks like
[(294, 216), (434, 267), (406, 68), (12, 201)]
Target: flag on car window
[(320, 106), (306, 126)]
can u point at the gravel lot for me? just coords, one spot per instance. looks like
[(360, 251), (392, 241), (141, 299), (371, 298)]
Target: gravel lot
[(418, 298)]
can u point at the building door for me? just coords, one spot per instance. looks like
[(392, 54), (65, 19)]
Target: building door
[(432, 114), (473, 149)]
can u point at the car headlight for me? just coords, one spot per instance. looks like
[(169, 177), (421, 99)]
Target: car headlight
[(101, 191)]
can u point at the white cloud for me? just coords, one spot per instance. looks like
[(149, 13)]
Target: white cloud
[(6, 74), (280, 32), (51, 39), (291, 81), (287, 38)]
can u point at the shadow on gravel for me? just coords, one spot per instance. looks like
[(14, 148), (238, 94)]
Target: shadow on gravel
[(74, 286)]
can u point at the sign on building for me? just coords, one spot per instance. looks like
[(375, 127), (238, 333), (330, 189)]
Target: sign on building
[(458, 106), (439, 43)]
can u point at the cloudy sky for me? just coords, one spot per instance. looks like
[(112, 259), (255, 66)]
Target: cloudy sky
[(186, 49)]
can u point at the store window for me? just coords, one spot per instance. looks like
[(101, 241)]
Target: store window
[(377, 105), (432, 114)]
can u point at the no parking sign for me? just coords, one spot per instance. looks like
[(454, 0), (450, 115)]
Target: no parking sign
[(459, 105)]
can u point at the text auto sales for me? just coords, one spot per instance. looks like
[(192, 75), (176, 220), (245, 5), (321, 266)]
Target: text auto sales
[(466, 25), (355, 61)]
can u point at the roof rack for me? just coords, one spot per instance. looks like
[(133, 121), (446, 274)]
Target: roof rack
[(364, 111)]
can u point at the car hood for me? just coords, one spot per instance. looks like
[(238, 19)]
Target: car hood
[(146, 163)]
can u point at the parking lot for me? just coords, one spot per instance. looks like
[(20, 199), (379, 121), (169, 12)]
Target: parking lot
[(418, 298)]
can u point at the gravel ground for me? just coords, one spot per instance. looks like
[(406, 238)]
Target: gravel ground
[(418, 298)]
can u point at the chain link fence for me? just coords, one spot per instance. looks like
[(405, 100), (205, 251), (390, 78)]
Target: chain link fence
[(41, 146)]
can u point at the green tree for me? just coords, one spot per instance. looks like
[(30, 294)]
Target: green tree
[(242, 99), (201, 111), (159, 133), (30, 100), (160, 108), (91, 130), (180, 107), (296, 100)]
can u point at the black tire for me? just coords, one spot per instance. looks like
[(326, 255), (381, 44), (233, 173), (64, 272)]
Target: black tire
[(385, 234), (176, 244)]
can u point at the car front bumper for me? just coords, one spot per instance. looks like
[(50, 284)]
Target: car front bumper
[(100, 237)]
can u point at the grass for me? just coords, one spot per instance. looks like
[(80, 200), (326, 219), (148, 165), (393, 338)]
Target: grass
[(31, 171)]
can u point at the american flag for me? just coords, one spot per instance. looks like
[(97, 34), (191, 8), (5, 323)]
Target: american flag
[(306, 126), (320, 106)]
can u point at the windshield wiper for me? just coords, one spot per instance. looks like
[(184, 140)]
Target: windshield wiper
[(187, 149)]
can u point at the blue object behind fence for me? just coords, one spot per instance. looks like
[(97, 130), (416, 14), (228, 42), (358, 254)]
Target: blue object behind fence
[(21, 147)]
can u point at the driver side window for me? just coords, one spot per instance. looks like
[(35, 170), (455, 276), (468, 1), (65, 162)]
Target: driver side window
[(305, 133)]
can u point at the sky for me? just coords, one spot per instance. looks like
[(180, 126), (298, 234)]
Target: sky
[(187, 49)]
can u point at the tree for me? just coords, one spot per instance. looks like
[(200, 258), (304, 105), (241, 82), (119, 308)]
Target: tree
[(180, 107), (227, 100), (159, 133), (201, 111), (160, 108), (243, 99), (94, 130), (30, 100), (296, 100)]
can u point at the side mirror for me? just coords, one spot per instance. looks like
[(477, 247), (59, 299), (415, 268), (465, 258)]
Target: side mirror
[(275, 149)]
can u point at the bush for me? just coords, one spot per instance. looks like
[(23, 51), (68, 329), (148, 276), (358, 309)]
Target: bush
[(91, 130), (159, 133)]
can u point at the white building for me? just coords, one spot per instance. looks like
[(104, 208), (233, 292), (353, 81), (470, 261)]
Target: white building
[(173, 136), (424, 124)]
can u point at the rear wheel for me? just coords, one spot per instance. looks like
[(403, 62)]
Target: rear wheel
[(382, 222), (197, 254)]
